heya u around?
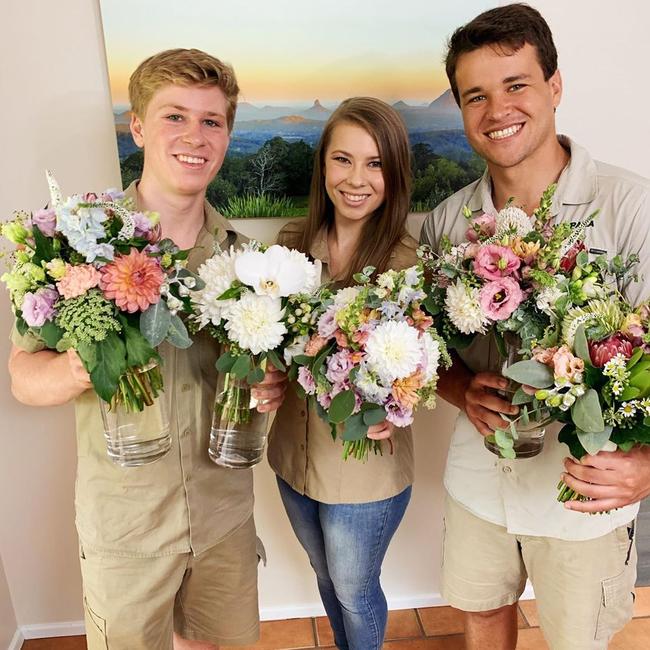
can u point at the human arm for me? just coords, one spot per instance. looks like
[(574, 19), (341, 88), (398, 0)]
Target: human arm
[(474, 394), (610, 479), (46, 378)]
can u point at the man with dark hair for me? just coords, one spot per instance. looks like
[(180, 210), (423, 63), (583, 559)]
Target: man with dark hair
[(503, 523)]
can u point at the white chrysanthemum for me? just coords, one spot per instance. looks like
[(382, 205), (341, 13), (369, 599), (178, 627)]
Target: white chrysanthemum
[(277, 272), (387, 279), (255, 322), (218, 273), (345, 296), (513, 221), (431, 355), (393, 351), (464, 310)]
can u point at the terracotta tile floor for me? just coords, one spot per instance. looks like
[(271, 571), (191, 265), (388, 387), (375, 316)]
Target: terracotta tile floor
[(431, 628)]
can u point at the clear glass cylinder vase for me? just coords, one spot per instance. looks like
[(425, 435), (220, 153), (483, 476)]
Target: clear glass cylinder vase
[(239, 430), (136, 421), (528, 438)]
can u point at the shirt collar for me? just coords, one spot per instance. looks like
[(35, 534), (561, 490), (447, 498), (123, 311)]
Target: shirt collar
[(577, 185)]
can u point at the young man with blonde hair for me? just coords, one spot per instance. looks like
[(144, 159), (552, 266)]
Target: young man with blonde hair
[(503, 523), (168, 550)]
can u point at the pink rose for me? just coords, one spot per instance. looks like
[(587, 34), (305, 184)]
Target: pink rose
[(566, 365), (481, 227), (500, 298), (493, 262)]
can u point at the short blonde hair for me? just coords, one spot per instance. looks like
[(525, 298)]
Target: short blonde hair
[(182, 67)]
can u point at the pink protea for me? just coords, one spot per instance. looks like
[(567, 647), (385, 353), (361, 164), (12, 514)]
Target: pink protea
[(602, 351), (77, 280), (133, 281), (500, 298), (493, 262)]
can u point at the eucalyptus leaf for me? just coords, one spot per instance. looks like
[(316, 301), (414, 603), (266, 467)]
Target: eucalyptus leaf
[(255, 376), (530, 372), (587, 414), (342, 406), (580, 344), (593, 442), (177, 334), (521, 397), (241, 367), (225, 362), (273, 357), (524, 417), (354, 428), (154, 323), (503, 439), (374, 416)]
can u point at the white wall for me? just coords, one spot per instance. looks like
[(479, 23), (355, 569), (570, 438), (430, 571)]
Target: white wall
[(55, 113), (8, 625)]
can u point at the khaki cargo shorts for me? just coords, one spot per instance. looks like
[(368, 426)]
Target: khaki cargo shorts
[(136, 603), (584, 589)]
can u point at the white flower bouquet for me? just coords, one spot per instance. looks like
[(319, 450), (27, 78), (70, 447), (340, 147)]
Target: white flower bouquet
[(256, 302)]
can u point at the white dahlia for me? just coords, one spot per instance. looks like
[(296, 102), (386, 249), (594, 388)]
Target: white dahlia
[(345, 296), (393, 351), (255, 323), (513, 221), (218, 273), (464, 310)]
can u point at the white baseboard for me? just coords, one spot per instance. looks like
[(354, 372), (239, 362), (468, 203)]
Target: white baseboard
[(75, 628), (17, 642), (45, 630)]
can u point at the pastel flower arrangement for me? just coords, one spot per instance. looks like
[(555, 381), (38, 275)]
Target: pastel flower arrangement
[(591, 369), (90, 273), (373, 355), (505, 275)]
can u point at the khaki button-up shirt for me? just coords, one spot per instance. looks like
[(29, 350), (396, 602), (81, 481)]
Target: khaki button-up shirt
[(182, 502), (522, 494), (301, 449)]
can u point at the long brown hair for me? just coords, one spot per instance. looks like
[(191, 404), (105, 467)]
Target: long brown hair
[(387, 226)]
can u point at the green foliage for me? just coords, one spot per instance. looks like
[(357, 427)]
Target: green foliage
[(341, 407), (587, 414), (254, 205), (155, 322), (131, 167), (530, 372)]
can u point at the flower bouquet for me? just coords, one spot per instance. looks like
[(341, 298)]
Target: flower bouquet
[(504, 280), (374, 356), (255, 301), (90, 274), (592, 368)]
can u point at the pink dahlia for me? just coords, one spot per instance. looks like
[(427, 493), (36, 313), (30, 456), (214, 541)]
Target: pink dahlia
[(602, 351), (493, 262), (133, 281), (77, 280), (500, 298)]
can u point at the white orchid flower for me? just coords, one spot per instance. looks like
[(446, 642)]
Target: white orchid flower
[(277, 272)]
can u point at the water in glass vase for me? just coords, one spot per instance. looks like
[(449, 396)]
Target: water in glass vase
[(239, 430), (527, 433)]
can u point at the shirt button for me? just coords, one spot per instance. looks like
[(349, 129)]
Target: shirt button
[(302, 413), (302, 447), (186, 432), (507, 469), (185, 388)]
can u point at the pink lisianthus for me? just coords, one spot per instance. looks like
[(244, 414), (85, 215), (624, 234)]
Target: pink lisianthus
[(500, 298), (325, 400), (339, 366), (46, 221), (327, 323), (397, 414), (77, 280), (493, 262), (602, 351), (480, 227), (544, 355), (38, 307), (306, 380), (566, 365)]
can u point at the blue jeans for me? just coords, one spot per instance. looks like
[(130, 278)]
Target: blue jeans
[(346, 544)]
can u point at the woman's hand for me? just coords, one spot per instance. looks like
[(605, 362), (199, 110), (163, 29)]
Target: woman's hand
[(269, 393), (380, 431)]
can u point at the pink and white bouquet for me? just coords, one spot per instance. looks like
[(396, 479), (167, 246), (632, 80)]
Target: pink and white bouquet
[(506, 274), (90, 273), (374, 356)]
